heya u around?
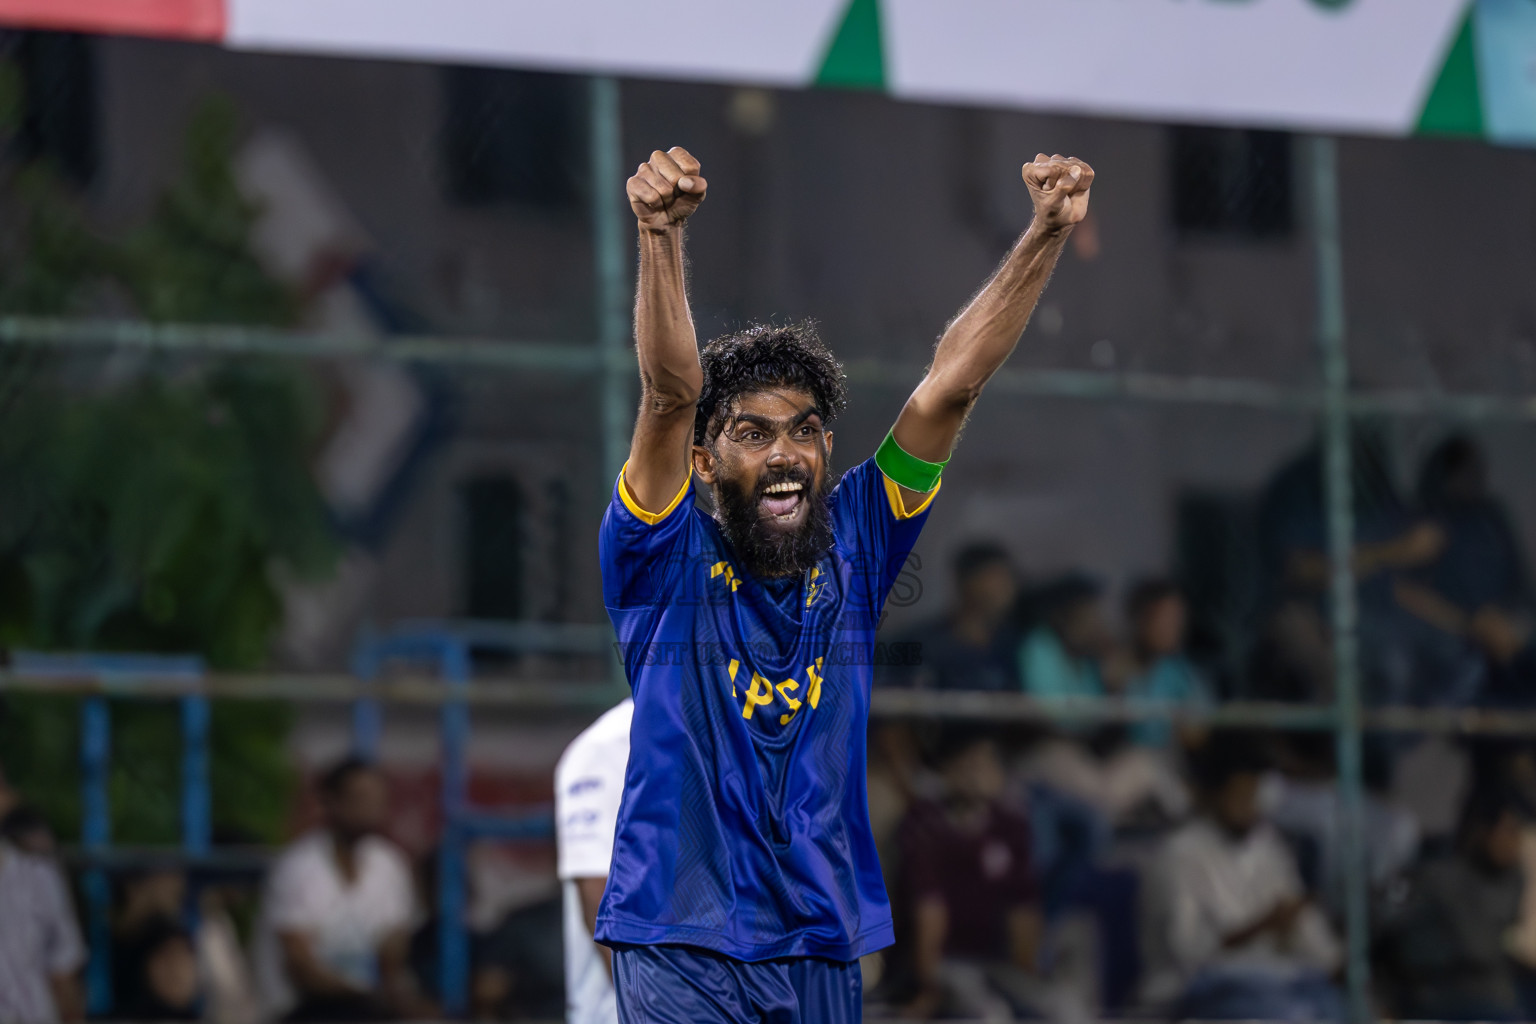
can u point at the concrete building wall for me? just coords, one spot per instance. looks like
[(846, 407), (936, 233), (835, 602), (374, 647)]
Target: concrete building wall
[(879, 219)]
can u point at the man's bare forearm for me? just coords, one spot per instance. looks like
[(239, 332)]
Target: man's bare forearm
[(668, 346), (982, 337), (986, 332), (980, 340), (663, 193)]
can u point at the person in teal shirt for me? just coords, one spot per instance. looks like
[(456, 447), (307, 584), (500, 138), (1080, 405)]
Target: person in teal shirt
[(1160, 670), (1061, 656), (1069, 653), (1117, 770)]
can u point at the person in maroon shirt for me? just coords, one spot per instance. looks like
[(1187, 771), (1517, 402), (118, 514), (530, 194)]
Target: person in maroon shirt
[(970, 890)]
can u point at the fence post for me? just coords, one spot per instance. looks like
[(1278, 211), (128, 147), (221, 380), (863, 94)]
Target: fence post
[(611, 260), (95, 837), (367, 716), (1339, 501), (452, 871), (196, 791)]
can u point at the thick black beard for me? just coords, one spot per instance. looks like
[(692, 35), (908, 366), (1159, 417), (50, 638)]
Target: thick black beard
[(763, 551)]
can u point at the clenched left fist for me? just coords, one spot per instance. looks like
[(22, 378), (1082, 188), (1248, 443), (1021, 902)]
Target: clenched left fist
[(1059, 186)]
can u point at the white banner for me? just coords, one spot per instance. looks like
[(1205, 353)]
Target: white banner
[(771, 42), (1367, 67), (1391, 67)]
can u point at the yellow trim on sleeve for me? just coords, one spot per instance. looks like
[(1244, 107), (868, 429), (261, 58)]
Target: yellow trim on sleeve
[(652, 518), (897, 507)]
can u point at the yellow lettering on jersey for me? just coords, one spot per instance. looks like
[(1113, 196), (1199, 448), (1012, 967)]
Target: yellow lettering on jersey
[(794, 705), (724, 568), (815, 589), (761, 693)]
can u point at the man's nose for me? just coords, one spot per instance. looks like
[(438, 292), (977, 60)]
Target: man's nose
[(782, 455)]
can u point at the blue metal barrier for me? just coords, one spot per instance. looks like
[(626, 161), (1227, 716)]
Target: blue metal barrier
[(446, 646), (109, 671)]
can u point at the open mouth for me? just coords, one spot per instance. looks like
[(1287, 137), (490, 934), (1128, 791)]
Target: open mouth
[(783, 502)]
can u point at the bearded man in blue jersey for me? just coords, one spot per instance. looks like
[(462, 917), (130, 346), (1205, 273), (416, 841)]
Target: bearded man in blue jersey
[(744, 884)]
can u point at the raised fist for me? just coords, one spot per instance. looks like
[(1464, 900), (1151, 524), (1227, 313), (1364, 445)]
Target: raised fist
[(666, 189), (1058, 185)]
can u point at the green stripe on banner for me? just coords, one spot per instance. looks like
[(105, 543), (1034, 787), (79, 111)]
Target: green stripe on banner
[(856, 58), (1455, 104)]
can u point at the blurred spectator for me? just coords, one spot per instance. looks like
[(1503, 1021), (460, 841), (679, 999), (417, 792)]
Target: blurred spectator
[(165, 969), (1304, 802), (227, 983), (41, 952), (158, 969), (337, 912), (1228, 930), (1293, 541), (148, 931), (971, 892), (972, 647), (515, 971), (1159, 670), (1471, 600), (1060, 657), (1063, 657), (519, 971), (26, 829), (1445, 943), (1292, 656), (1481, 564), (589, 782), (1293, 526)]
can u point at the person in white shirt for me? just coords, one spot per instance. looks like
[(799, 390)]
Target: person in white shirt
[(41, 952), (337, 911), (589, 781), (1230, 932)]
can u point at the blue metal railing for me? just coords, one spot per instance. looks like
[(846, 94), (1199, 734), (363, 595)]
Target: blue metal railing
[(446, 646), (113, 671)]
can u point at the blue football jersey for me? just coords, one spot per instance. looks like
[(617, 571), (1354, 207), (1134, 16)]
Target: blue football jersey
[(744, 827)]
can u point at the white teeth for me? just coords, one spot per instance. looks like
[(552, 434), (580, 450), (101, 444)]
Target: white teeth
[(787, 487)]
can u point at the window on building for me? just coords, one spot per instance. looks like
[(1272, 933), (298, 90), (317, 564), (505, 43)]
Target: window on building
[(492, 513), (514, 137), (1231, 182), (57, 120)]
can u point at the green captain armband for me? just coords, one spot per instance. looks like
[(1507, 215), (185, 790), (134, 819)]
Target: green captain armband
[(907, 470)]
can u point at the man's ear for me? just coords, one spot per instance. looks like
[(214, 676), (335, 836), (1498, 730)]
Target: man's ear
[(704, 464), (827, 437)]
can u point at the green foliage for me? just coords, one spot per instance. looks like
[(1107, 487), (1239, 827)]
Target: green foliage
[(146, 518), (192, 263), (147, 504), (61, 259)]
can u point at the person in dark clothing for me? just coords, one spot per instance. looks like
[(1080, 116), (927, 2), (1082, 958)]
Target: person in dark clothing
[(157, 975), (515, 972), (970, 889), (1481, 563), (25, 828), (1390, 540), (1443, 944), (1472, 600), (972, 646)]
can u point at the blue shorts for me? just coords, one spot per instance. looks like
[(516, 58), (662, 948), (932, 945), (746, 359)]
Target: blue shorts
[(683, 985)]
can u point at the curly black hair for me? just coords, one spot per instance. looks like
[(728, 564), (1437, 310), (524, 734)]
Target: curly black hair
[(764, 356)]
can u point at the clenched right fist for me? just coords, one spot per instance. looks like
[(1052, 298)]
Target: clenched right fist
[(666, 189)]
